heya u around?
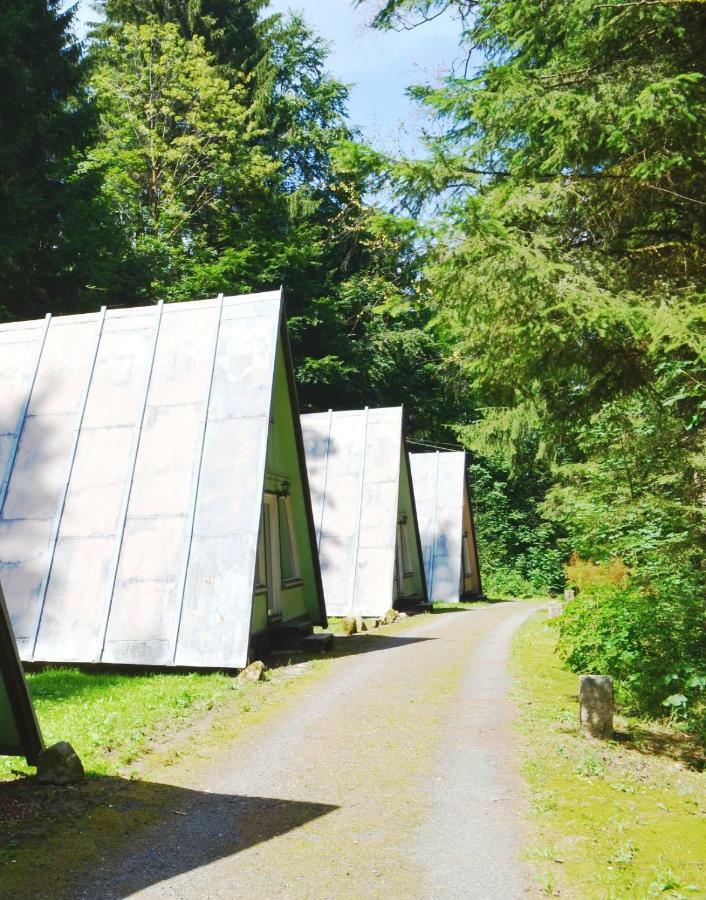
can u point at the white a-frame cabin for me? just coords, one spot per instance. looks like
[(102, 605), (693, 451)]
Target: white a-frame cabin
[(154, 506), (446, 526), (364, 511)]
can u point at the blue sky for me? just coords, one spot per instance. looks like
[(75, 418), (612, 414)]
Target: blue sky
[(378, 66)]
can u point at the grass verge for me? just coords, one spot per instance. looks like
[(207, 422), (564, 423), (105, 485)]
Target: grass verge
[(111, 719), (613, 819)]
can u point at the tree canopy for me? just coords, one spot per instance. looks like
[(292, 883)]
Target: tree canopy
[(532, 288), (567, 175), (45, 124)]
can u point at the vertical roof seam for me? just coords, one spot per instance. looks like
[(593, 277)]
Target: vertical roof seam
[(59, 512), (127, 491), (324, 480), (360, 506), (193, 498), (19, 427)]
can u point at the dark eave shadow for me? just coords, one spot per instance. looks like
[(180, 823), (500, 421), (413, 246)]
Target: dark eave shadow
[(369, 642)]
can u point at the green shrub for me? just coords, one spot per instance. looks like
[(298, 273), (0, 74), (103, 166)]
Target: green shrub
[(499, 582), (518, 549), (647, 631), (584, 574)]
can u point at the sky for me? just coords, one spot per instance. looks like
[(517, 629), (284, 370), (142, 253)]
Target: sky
[(378, 66)]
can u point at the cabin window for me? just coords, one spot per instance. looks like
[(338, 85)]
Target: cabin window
[(467, 567), (289, 562), (403, 550)]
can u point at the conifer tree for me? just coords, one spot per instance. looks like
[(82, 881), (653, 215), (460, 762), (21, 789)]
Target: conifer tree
[(45, 123), (230, 28)]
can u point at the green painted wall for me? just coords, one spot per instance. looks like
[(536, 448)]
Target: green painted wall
[(412, 586), (282, 460), (258, 621)]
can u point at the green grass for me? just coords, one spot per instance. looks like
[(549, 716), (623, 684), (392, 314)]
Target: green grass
[(111, 719), (618, 819)]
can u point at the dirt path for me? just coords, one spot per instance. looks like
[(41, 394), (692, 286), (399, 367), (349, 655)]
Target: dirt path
[(389, 776)]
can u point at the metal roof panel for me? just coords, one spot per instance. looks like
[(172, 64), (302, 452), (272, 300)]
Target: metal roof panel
[(133, 449)]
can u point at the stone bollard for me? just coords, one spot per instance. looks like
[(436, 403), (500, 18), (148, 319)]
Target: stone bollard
[(554, 610), (596, 706), (569, 594)]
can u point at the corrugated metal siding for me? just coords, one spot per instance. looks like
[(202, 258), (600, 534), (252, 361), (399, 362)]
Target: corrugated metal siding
[(440, 494), (139, 547), (353, 462)]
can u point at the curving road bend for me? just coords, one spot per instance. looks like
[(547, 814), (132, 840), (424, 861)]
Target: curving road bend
[(392, 774)]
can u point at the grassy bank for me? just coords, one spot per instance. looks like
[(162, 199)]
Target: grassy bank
[(618, 819), (112, 719)]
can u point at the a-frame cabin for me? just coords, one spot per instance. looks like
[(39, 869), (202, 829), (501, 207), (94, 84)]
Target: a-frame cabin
[(154, 506), (364, 511), (19, 730), (446, 527)]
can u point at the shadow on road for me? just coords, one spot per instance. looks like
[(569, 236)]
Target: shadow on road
[(369, 642), (107, 821), (348, 646), (465, 606)]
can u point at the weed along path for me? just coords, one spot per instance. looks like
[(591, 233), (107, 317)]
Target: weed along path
[(388, 773)]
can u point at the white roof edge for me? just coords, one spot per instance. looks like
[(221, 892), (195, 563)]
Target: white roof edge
[(245, 298), (356, 412), (230, 300), (440, 452)]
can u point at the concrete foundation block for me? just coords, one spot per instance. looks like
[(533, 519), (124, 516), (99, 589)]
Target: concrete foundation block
[(596, 706)]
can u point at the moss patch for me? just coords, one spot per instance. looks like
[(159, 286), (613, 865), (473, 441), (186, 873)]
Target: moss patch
[(624, 818)]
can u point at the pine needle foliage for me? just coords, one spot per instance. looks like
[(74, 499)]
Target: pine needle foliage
[(567, 172)]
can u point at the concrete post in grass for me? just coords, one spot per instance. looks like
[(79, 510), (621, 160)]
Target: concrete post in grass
[(596, 706), (569, 594)]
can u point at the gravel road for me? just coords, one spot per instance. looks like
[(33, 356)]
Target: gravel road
[(390, 775)]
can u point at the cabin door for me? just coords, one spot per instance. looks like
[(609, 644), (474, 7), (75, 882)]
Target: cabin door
[(272, 556), (399, 574), (403, 562)]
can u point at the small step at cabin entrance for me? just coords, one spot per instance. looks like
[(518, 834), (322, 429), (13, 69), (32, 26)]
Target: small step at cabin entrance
[(297, 635)]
